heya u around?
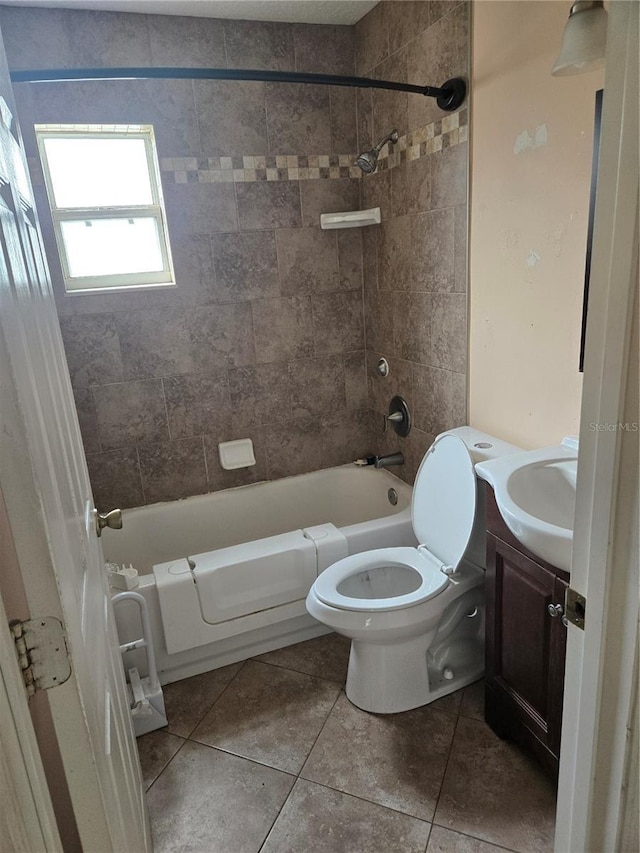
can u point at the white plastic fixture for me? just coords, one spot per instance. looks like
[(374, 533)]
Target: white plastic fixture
[(584, 39), (350, 219), (236, 454), (210, 597)]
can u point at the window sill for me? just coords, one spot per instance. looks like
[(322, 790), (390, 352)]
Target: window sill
[(125, 288)]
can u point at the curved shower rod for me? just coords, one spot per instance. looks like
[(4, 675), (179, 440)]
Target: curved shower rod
[(449, 96)]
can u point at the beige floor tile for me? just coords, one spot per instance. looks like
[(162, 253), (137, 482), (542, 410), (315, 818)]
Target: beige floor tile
[(473, 701), (156, 750), (495, 792), (208, 801), (326, 656), (187, 701), (445, 841), (269, 714), (320, 820), (396, 760)]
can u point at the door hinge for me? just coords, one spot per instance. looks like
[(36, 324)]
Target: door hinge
[(575, 607), (42, 652)]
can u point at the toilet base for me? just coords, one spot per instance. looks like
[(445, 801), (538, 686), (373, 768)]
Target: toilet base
[(391, 678)]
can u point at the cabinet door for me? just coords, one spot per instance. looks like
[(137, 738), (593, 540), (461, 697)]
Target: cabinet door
[(525, 649)]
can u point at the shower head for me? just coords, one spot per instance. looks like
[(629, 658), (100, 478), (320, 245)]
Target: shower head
[(368, 160)]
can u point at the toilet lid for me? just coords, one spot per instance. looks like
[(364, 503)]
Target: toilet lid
[(443, 505)]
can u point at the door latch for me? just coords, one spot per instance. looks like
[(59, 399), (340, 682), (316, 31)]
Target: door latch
[(575, 608)]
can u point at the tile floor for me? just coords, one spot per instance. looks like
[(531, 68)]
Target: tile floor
[(269, 755)]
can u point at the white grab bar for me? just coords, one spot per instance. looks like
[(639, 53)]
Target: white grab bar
[(144, 642)]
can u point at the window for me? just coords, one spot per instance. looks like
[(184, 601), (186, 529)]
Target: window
[(106, 203)]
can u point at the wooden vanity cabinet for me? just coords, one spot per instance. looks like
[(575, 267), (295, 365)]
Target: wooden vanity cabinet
[(525, 643)]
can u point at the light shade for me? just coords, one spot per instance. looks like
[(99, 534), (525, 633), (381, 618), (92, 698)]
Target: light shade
[(584, 39)]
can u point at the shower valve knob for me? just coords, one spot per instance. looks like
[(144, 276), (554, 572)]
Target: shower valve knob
[(111, 519), (398, 416)]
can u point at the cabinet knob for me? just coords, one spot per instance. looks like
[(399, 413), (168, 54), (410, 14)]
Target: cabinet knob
[(555, 609)]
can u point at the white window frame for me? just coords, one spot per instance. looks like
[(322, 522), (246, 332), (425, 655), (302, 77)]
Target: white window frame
[(125, 281)]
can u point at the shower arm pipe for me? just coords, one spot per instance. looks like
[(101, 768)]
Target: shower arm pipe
[(449, 96)]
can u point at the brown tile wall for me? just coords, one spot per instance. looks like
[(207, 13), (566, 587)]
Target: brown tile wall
[(264, 335), (415, 270), (275, 327)]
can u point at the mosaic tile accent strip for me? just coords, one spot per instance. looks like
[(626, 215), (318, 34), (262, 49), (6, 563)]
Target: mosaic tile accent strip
[(292, 167), (446, 132)]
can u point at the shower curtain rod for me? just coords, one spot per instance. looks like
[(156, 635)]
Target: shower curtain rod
[(449, 96)]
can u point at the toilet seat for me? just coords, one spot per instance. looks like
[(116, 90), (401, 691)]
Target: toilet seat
[(442, 513), (430, 581)]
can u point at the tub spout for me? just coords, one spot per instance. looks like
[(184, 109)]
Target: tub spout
[(382, 461), (387, 461)]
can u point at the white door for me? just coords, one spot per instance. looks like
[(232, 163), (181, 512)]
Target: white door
[(598, 781), (49, 506)]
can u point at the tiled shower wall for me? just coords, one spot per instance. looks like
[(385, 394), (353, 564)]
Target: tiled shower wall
[(415, 269), (263, 337)]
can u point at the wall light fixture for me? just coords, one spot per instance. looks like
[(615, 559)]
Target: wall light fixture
[(584, 39)]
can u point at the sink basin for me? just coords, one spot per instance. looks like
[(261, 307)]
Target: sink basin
[(536, 493)]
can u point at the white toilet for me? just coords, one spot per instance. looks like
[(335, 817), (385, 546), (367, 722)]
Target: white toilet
[(416, 615)]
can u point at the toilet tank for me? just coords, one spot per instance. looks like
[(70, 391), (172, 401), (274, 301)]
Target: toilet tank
[(482, 447)]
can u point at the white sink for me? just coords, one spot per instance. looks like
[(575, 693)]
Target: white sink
[(536, 493)]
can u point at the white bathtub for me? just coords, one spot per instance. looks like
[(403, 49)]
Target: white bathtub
[(269, 542)]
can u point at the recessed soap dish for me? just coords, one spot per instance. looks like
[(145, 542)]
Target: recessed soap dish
[(350, 219), (236, 454)]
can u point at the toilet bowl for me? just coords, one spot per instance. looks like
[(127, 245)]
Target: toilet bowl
[(415, 616)]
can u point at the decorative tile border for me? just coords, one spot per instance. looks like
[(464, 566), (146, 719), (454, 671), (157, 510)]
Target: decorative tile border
[(446, 132), (292, 167)]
